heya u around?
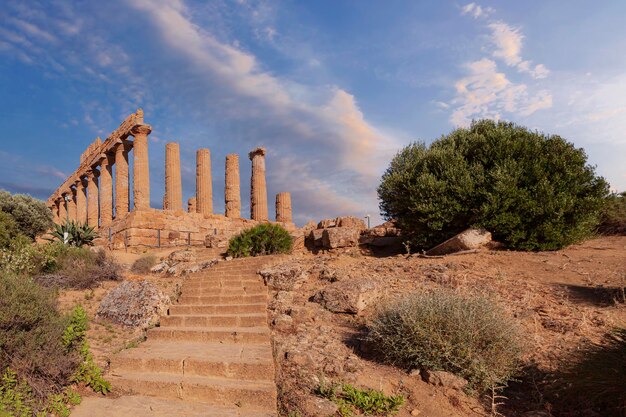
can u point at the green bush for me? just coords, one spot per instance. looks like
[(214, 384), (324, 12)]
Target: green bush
[(143, 264), (468, 336), (31, 337), (73, 234), (31, 215), (263, 239), (530, 190), (613, 218), (363, 401), (8, 229)]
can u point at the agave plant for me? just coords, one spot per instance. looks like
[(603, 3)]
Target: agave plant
[(73, 234)]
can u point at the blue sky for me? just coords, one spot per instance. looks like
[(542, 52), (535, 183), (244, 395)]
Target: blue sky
[(331, 88)]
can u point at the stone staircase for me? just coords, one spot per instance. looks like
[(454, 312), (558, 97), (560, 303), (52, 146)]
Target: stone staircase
[(210, 356)]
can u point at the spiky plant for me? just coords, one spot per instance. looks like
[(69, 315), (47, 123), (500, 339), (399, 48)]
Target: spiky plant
[(73, 234)]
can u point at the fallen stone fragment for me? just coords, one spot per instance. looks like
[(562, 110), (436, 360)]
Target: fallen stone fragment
[(133, 304), (340, 237), (350, 296), (182, 256), (286, 277), (158, 268), (467, 240)]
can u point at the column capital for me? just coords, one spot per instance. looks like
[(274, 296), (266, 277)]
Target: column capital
[(257, 151), (141, 130)]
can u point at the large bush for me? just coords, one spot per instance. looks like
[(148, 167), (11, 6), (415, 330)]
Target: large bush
[(31, 215), (263, 239), (8, 229), (468, 336), (532, 191), (613, 218)]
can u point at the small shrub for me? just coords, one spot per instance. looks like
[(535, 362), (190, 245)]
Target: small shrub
[(8, 229), (364, 401), (597, 377), (31, 215), (143, 264), (530, 190), (613, 218), (79, 268), (263, 239), (73, 234), (468, 336)]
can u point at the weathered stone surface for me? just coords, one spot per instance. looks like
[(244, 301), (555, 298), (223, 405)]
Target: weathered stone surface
[(71, 204), (182, 256), (106, 191), (283, 323), (283, 208), (383, 241), (350, 296), (160, 267), (215, 241), (232, 193), (121, 180), (444, 379), (191, 205), (204, 185), (326, 223), (315, 237), (315, 406), (173, 182), (467, 240), (340, 237), (350, 221), (141, 167), (285, 277), (92, 199), (81, 201), (258, 189), (133, 304)]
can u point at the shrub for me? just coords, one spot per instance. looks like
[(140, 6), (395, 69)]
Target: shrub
[(263, 239), (364, 401), (79, 268), (73, 234), (613, 218), (143, 264), (530, 190), (597, 378), (31, 334), (31, 215), (468, 336), (8, 229)]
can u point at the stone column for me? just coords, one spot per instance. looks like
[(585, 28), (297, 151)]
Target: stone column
[(191, 205), (258, 189), (141, 168), (64, 206), (81, 201), (232, 193), (173, 183), (204, 186), (121, 181), (283, 208), (92, 199), (106, 192), (71, 205), (56, 211)]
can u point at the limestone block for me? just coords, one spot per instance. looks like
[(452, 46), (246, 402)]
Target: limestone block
[(315, 237), (350, 221), (340, 237), (326, 223), (467, 240), (349, 296)]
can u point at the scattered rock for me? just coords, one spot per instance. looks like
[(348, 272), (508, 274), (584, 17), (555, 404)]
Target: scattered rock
[(416, 412), (467, 240), (177, 269), (281, 301), (283, 322), (158, 268), (351, 222), (326, 223), (340, 237), (133, 304), (285, 277), (315, 406), (228, 258), (351, 296), (299, 358), (184, 255), (315, 237), (212, 241), (444, 379)]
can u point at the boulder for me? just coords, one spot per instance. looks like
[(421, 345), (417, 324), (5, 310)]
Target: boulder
[(133, 304), (326, 223), (184, 255), (160, 267), (285, 277), (315, 237), (444, 379), (340, 237), (467, 240), (283, 323), (380, 241), (350, 296)]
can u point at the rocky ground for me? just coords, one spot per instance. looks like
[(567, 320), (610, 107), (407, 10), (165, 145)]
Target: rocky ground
[(321, 305)]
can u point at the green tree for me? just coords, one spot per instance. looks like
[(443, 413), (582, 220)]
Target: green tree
[(31, 215), (530, 190)]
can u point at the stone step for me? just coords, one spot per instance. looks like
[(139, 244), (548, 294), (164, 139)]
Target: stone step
[(222, 320), (225, 291), (199, 389), (226, 360), (222, 299), (141, 406), (242, 335), (219, 283), (217, 308)]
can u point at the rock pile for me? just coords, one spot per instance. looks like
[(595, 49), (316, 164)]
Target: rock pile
[(133, 304), (181, 262)]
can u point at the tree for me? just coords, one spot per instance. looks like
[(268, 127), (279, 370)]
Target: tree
[(530, 190), (31, 215)]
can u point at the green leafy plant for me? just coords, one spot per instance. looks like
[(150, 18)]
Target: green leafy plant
[(364, 401), (263, 239), (31, 215), (73, 234), (613, 218), (466, 335), (530, 190)]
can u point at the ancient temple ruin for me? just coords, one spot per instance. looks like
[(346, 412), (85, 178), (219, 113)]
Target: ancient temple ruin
[(98, 193)]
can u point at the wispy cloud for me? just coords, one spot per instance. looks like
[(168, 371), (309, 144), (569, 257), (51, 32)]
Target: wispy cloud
[(508, 42), (476, 11)]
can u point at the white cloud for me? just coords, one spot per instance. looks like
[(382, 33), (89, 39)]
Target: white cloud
[(486, 93), (476, 11)]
